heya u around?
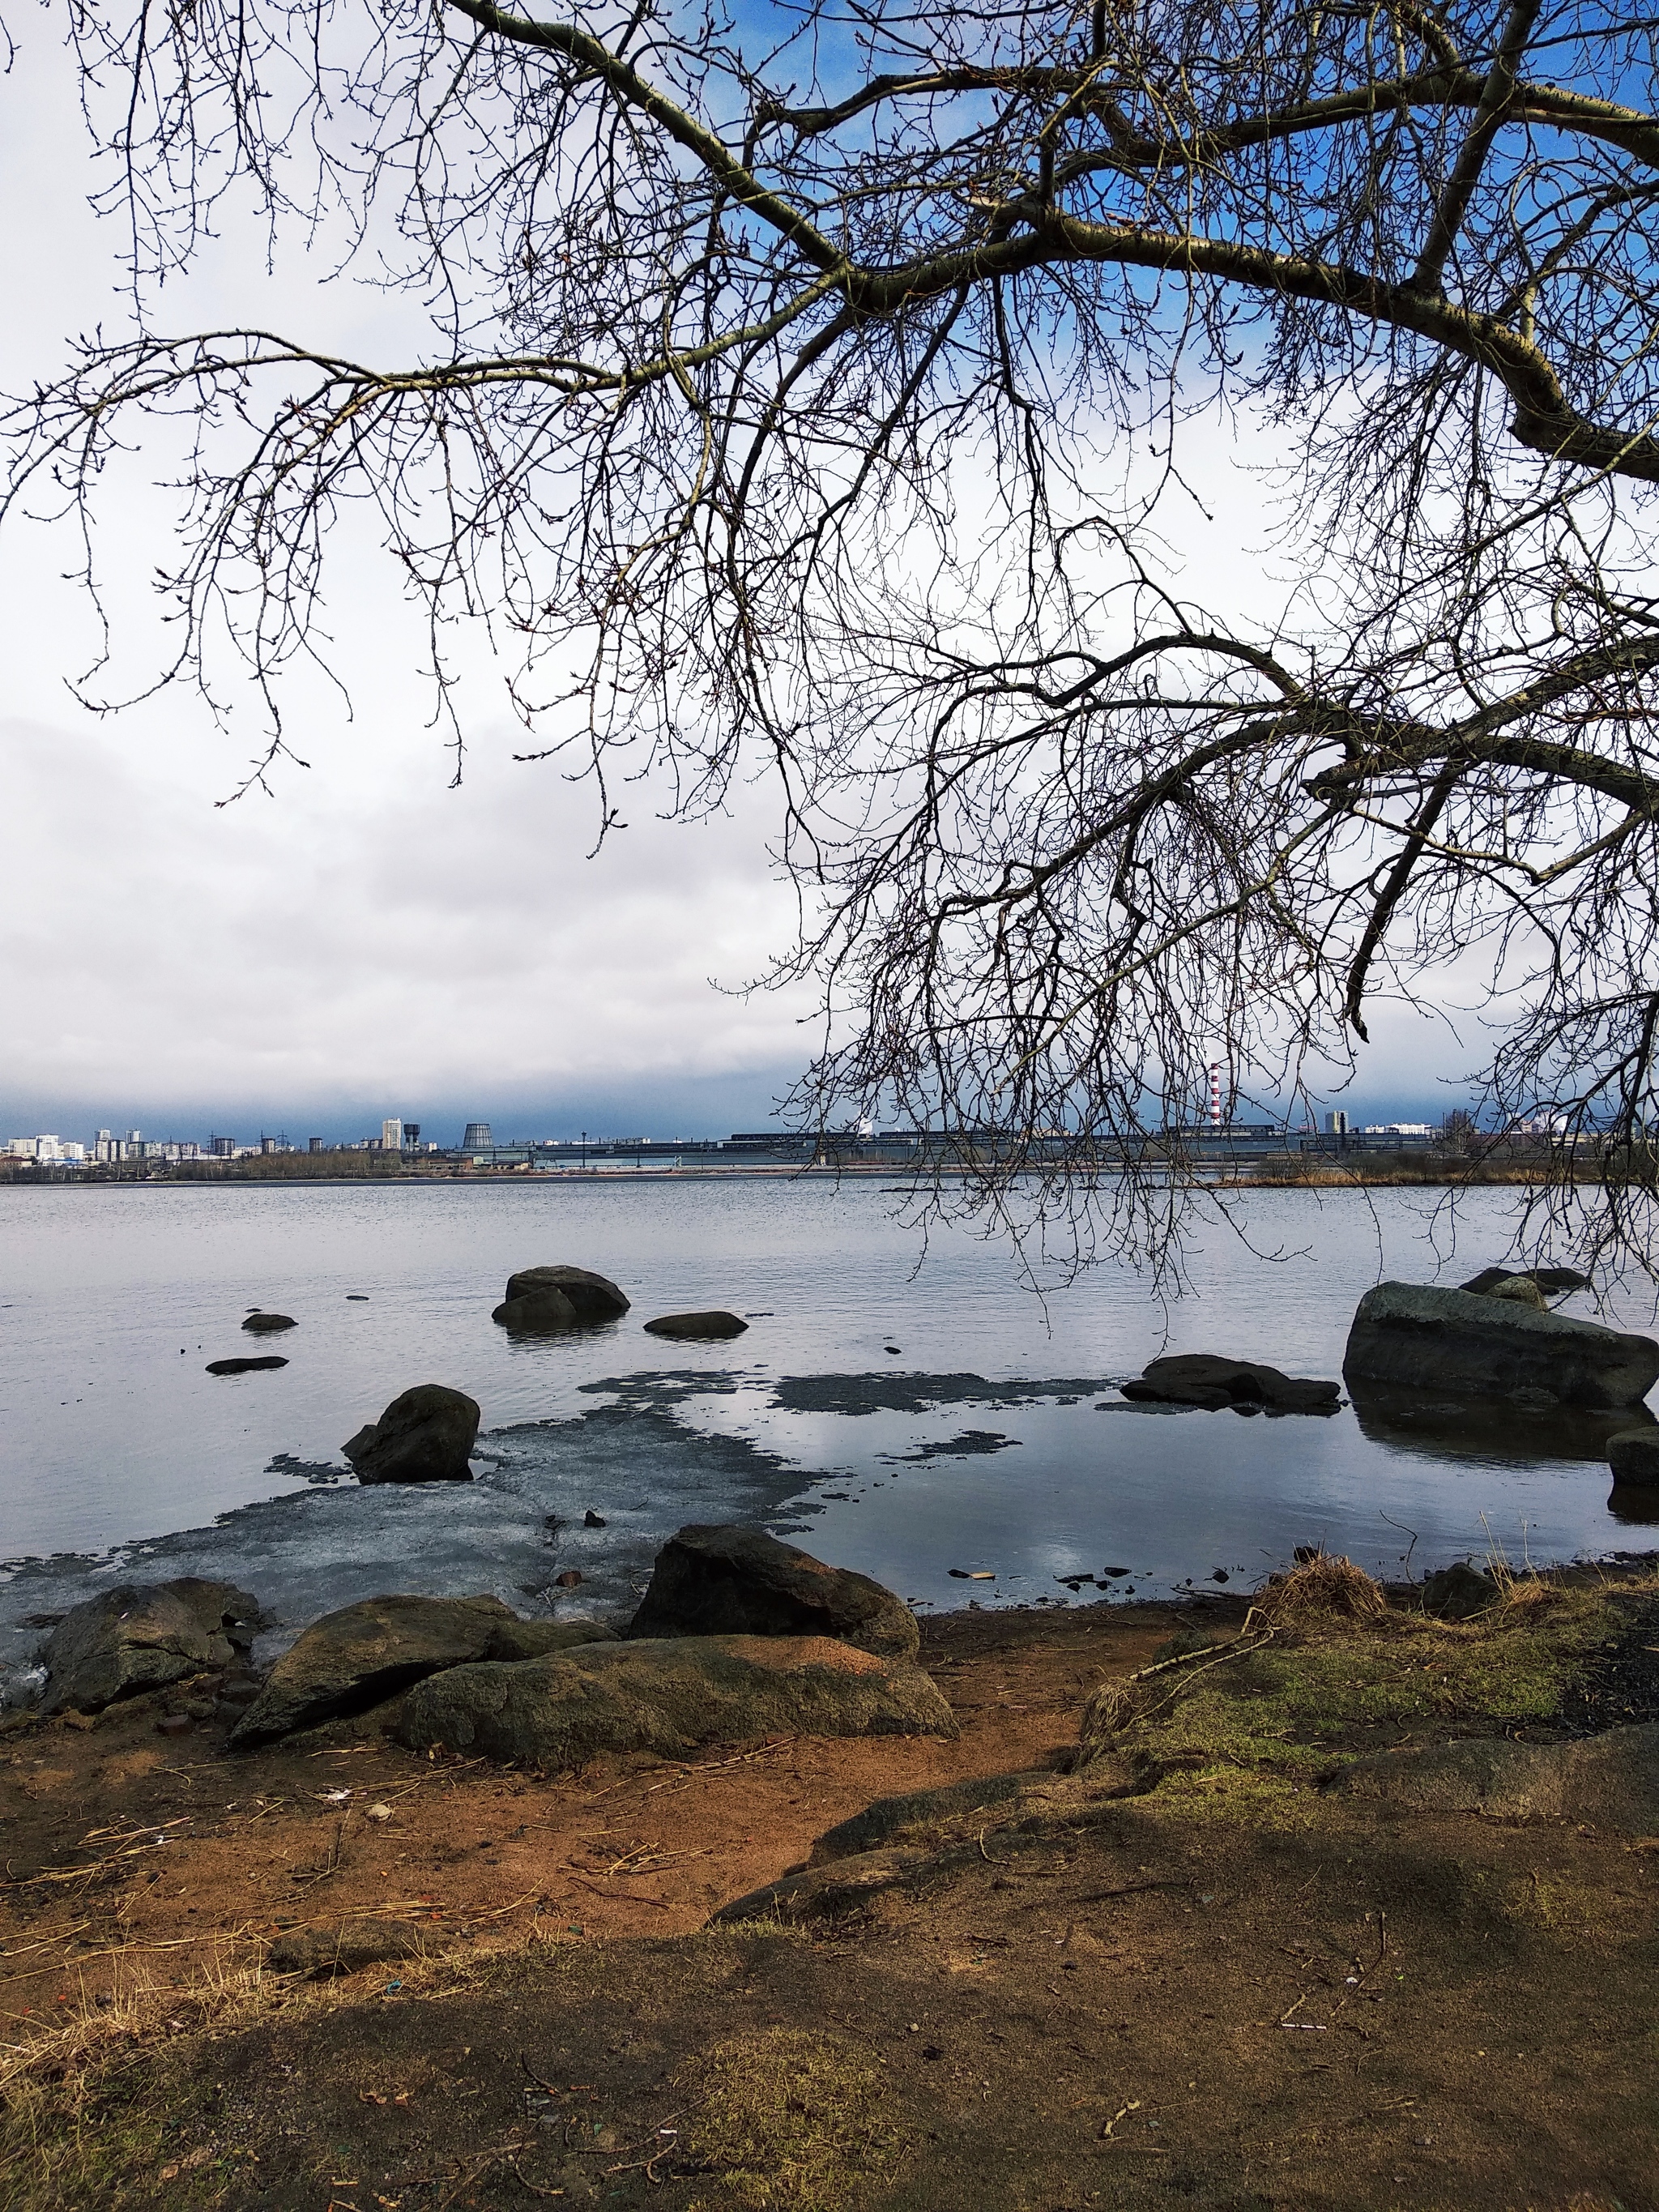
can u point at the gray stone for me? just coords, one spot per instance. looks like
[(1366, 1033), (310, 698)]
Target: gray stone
[(694, 1326), (366, 1653), (1611, 1779), (735, 1581), (1552, 1282), (266, 1324), (1408, 1334), (592, 1298), (425, 1435), (1633, 1455), (542, 1313), (1458, 1593), (667, 1697), (142, 1636), (1210, 1380)]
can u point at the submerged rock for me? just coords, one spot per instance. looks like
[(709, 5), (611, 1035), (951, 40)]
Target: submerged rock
[(426, 1435), (591, 1298), (266, 1324), (667, 1697), (1408, 1333), (250, 1365), (736, 1581), (366, 1653), (143, 1637), (1210, 1380), (694, 1326)]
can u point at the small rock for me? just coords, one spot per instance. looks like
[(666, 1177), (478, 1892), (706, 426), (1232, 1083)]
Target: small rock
[(1633, 1455), (1553, 1282), (1220, 1575), (591, 1298), (736, 1581), (244, 1366), (570, 1579), (175, 1724), (696, 1326), (140, 1636), (1211, 1381), (366, 1653), (1458, 1592), (592, 1520), (425, 1435), (264, 1324)]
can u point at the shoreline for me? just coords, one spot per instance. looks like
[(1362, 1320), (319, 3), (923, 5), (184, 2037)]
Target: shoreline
[(336, 1972)]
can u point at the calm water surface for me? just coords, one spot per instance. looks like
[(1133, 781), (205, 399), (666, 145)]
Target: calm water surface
[(120, 1453)]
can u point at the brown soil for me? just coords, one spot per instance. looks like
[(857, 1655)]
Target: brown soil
[(1162, 2009)]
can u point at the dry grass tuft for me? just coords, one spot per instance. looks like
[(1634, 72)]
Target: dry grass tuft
[(790, 2120), (1327, 1587)]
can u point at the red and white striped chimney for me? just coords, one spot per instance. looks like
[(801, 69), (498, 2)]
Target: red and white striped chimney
[(1215, 1094)]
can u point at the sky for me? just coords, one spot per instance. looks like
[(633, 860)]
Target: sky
[(369, 940)]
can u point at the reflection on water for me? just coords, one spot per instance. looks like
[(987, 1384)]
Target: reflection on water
[(905, 1412), (1492, 1430)]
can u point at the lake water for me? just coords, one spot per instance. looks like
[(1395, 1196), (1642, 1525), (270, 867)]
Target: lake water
[(122, 1456)]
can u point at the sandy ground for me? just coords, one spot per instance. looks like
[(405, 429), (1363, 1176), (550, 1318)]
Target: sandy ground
[(1164, 2008)]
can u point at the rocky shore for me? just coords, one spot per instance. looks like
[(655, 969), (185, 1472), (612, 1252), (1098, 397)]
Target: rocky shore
[(1167, 1901)]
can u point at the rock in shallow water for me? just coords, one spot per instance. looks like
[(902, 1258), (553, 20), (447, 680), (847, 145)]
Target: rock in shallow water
[(696, 1327), (426, 1435), (366, 1653), (266, 1324), (1210, 1380), (142, 1636), (668, 1697), (591, 1298), (1633, 1455), (253, 1364), (1411, 1335), (736, 1581)]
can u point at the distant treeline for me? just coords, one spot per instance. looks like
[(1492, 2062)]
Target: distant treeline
[(341, 1166)]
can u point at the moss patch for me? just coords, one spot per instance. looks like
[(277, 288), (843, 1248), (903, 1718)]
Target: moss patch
[(792, 2119), (1250, 1736)]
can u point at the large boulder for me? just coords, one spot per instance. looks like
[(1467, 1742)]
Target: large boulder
[(533, 1293), (694, 1327), (667, 1697), (541, 1312), (1633, 1455), (426, 1435), (727, 1581), (366, 1653), (1408, 1333), (1610, 1779), (142, 1636), (1210, 1379)]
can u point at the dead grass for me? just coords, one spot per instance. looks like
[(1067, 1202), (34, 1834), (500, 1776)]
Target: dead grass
[(1325, 1588), (791, 2121)]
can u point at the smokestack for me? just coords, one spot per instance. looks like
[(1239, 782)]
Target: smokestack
[(1215, 1094)]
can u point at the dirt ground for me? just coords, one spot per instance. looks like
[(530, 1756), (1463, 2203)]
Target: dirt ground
[(1197, 1999)]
